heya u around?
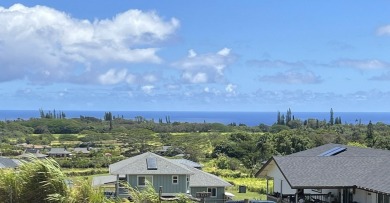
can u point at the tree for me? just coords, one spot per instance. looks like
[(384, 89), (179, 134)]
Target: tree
[(331, 120), (108, 117), (370, 139), (288, 116), (36, 182)]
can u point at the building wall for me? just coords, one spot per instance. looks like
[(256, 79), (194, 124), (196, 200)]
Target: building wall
[(364, 196), (220, 198), (273, 171), (280, 183), (163, 180)]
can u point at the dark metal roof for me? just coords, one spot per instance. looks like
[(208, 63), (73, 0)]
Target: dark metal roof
[(365, 168)]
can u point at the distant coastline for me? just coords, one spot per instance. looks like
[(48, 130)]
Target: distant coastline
[(247, 118)]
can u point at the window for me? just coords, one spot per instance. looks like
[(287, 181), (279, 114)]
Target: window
[(188, 178), (175, 179), (213, 191), (143, 179)]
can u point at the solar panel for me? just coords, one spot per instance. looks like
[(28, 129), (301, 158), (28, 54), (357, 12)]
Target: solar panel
[(333, 151), (329, 151), (151, 163)]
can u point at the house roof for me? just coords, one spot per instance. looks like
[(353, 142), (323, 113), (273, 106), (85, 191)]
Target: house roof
[(102, 180), (138, 165), (28, 155), (364, 168), (83, 150), (203, 179), (187, 163), (8, 163), (32, 151), (350, 151), (58, 151)]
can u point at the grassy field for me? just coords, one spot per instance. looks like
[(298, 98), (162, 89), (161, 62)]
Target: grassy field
[(255, 188), (247, 195)]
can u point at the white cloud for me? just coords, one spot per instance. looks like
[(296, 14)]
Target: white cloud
[(147, 89), (130, 78), (36, 41), (383, 77), (195, 77), (362, 64), (191, 53), (204, 68), (224, 52), (276, 64), (384, 30), (293, 77), (150, 78), (230, 88), (112, 77)]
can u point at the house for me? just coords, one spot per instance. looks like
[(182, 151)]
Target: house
[(58, 152), (163, 150), (187, 163), (201, 181), (331, 173), (32, 152), (107, 184), (8, 163), (172, 177), (81, 150)]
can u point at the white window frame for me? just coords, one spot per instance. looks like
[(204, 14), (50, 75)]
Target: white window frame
[(175, 178), (210, 189), (147, 178)]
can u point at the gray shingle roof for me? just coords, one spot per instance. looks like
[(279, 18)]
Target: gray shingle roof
[(137, 165), (356, 167), (58, 151), (351, 151), (187, 162), (203, 179), (8, 163), (83, 150)]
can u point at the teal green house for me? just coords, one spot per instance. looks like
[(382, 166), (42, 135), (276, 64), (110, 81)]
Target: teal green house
[(168, 177)]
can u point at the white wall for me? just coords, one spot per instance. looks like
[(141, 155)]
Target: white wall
[(364, 196), (273, 171)]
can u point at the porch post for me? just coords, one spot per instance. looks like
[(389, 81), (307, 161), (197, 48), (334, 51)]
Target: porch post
[(296, 196), (281, 190), (117, 186), (266, 191)]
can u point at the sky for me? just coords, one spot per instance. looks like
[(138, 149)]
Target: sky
[(220, 55)]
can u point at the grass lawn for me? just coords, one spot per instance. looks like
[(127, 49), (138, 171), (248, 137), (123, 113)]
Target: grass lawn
[(247, 195)]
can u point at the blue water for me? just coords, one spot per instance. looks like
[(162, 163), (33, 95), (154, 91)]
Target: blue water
[(248, 118)]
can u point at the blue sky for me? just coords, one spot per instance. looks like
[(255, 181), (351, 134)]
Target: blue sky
[(195, 55)]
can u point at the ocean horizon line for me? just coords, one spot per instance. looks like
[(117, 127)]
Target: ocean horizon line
[(250, 118)]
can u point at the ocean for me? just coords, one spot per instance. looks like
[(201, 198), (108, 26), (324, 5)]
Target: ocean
[(247, 118)]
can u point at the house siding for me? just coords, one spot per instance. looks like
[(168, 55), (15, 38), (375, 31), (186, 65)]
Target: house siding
[(280, 183), (220, 198), (163, 180), (364, 196)]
